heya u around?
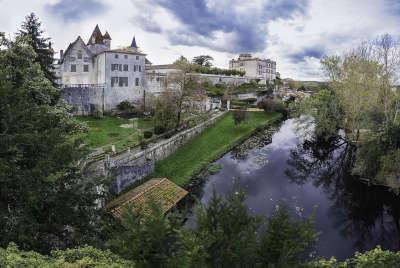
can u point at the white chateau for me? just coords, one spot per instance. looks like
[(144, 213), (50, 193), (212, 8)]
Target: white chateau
[(93, 76), (255, 68)]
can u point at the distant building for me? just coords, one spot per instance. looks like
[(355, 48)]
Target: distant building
[(95, 77), (255, 68)]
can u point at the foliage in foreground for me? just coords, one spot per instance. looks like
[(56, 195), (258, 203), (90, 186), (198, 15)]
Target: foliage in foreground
[(71, 258), (225, 234), (43, 201), (375, 258)]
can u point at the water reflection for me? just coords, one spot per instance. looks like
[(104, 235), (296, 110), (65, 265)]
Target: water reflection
[(368, 215), (307, 173)]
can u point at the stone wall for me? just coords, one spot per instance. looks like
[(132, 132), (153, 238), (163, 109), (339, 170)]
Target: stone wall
[(131, 166), (84, 99)]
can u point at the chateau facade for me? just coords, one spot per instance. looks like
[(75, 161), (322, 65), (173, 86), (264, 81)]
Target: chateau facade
[(95, 77), (255, 68)]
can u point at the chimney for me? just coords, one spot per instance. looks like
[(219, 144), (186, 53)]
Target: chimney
[(61, 54)]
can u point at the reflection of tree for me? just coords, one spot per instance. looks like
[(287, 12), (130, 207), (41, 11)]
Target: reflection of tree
[(369, 214)]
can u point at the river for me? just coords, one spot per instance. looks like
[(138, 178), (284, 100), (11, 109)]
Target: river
[(349, 215)]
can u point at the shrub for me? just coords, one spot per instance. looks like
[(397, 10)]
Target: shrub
[(239, 116), (126, 108), (273, 105), (147, 134)]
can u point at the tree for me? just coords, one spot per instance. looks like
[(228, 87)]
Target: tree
[(284, 240), (31, 28), (181, 84), (44, 200), (165, 112), (226, 232), (150, 239), (203, 60), (239, 116)]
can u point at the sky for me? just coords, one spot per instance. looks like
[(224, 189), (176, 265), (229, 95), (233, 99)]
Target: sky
[(294, 33)]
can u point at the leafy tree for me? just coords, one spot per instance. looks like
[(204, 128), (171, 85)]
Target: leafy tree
[(226, 232), (284, 240), (44, 201), (203, 60), (239, 116), (165, 112), (149, 239), (31, 28), (181, 86)]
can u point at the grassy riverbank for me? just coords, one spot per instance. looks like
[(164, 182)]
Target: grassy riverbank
[(209, 145)]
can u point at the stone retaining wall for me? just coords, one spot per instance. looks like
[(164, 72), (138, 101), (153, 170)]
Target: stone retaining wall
[(129, 167)]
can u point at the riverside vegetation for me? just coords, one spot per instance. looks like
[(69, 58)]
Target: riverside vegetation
[(50, 212)]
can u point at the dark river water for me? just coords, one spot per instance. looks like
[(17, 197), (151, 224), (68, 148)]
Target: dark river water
[(349, 215)]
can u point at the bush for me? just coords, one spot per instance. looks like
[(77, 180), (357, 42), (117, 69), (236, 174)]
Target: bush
[(147, 134), (126, 108), (159, 129), (272, 105), (239, 116)]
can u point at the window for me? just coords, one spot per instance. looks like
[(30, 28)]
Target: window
[(73, 67), (114, 81), (137, 57), (116, 56), (79, 55), (125, 56), (137, 82), (140, 68), (134, 68), (86, 68), (72, 58), (86, 59), (123, 81), (125, 67), (116, 67)]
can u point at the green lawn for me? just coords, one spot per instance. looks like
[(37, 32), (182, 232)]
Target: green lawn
[(209, 145), (108, 131)]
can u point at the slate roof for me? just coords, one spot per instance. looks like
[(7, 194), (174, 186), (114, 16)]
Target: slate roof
[(107, 36), (78, 39), (133, 44), (96, 37), (159, 189)]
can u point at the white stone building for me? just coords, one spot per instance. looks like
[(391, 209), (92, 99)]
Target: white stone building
[(255, 68), (95, 77)]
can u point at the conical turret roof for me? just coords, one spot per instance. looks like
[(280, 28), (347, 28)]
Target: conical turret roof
[(107, 36), (96, 37), (133, 44)]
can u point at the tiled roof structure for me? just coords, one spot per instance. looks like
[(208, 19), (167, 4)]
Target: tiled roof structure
[(161, 190), (96, 37), (106, 36)]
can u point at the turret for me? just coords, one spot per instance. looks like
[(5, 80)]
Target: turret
[(107, 40), (134, 46)]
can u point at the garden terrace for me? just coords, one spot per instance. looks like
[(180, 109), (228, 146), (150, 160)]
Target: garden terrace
[(160, 190), (193, 157)]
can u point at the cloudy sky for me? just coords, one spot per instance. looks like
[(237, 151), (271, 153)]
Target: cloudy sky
[(295, 33)]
